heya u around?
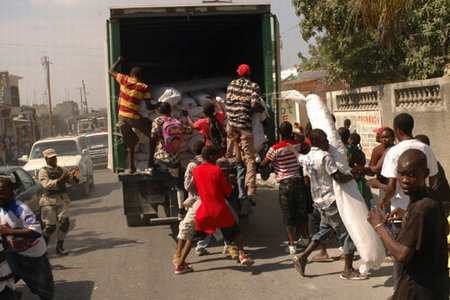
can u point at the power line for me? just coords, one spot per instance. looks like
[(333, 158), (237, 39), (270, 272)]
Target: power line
[(290, 29)]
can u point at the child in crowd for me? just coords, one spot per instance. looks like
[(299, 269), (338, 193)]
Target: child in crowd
[(357, 158), (422, 248), (320, 170), (212, 126), (292, 198), (213, 211), (187, 225)]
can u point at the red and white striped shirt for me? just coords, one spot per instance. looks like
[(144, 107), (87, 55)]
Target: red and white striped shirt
[(284, 161)]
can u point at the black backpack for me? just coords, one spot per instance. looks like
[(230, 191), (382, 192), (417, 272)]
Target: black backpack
[(217, 134)]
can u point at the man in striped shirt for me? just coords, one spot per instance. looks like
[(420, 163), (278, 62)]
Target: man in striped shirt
[(132, 92), (293, 201), (241, 101)]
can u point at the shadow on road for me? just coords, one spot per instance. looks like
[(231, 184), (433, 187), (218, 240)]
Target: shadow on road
[(92, 241), (65, 290)]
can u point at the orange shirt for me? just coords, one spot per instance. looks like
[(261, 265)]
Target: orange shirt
[(132, 92)]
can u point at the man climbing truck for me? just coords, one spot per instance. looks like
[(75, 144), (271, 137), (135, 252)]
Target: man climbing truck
[(185, 51)]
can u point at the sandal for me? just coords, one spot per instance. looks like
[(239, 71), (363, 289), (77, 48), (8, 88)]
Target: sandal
[(352, 274), (321, 258), (300, 264)]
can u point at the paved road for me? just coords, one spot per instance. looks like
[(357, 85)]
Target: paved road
[(112, 261)]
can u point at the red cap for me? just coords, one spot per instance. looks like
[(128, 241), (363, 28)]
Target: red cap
[(379, 130), (244, 69)]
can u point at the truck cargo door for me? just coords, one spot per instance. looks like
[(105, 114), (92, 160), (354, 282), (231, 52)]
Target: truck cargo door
[(276, 67), (116, 160)]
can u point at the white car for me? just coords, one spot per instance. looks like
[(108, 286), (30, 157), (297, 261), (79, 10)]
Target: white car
[(72, 152)]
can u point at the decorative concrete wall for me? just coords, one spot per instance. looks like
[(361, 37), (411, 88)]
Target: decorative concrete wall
[(427, 101)]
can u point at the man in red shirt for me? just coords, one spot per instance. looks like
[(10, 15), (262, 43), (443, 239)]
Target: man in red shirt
[(132, 92)]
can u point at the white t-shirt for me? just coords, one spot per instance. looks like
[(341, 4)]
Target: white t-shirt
[(20, 216), (390, 163), (319, 165)]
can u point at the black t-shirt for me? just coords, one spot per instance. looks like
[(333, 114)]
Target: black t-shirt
[(425, 276)]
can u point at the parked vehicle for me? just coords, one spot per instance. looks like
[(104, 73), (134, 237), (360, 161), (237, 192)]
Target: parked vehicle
[(72, 152), (27, 189), (97, 144), (188, 41)]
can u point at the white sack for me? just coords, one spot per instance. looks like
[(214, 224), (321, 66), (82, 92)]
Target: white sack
[(187, 102), (258, 129), (170, 95), (351, 206)]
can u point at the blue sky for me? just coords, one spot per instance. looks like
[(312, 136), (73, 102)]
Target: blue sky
[(71, 33)]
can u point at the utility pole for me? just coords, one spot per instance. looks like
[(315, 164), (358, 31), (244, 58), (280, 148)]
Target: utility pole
[(85, 97), (81, 100), (46, 64)]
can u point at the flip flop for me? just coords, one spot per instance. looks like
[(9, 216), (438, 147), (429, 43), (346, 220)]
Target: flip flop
[(300, 264), (319, 258)]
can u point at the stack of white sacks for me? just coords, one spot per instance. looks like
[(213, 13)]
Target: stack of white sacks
[(191, 96)]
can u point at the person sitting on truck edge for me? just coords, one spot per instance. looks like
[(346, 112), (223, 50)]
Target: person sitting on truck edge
[(241, 101), (167, 160), (213, 211), (27, 253), (55, 200), (132, 92)]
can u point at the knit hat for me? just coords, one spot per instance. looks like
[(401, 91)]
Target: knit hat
[(244, 69)]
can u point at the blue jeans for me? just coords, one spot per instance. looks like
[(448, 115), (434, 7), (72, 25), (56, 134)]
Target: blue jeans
[(331, 221), (242, 196), (204, 242)]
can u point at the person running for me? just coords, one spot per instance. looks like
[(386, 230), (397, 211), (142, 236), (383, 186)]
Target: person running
[(422, 249), (213, 211), (320, 170), (132, 92), (55, 199), (241, 101), (27, 251), (292, 196)]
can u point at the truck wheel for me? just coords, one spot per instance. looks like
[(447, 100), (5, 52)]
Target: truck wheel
[(133, 220), (85, 189), (91, 182)]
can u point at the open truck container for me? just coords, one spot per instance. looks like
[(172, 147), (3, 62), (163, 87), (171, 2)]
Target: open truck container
[(181, 42)]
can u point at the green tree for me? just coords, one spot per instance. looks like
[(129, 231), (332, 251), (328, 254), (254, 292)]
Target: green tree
[(367, 42)]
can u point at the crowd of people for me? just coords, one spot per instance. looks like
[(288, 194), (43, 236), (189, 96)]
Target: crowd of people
[(409, 217), (220, 187)]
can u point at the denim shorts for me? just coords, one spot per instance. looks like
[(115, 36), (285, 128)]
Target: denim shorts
[(331, 221), (36, 272)]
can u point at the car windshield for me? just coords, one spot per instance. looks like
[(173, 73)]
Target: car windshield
[(97, 139), (62, 148)]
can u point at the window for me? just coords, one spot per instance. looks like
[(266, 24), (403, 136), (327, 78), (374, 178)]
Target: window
[(97, 139), (62, 148), (26, 181)]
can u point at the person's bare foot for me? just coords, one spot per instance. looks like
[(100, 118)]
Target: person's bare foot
[(251, 191)]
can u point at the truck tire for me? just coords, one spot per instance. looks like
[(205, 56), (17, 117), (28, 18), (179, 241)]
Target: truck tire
[(133, 220), (91, 181)]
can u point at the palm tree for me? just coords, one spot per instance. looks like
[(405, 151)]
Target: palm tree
[(382, 15)]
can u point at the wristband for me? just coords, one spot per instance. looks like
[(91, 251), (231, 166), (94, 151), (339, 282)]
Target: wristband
[(378, 225)]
